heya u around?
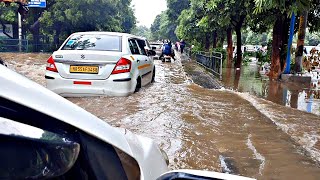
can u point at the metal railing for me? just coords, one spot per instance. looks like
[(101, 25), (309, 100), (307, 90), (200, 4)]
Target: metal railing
[(13, 45), (211, 61), (187, 51)]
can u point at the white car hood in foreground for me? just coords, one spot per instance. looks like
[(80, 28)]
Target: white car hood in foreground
[(21, 90)]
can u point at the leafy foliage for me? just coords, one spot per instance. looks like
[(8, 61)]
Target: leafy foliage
[(142, 31), (62, 17)]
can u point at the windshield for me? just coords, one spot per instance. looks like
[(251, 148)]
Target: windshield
[(95, 42)]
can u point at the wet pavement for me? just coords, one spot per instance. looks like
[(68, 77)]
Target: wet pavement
[(210, 129)]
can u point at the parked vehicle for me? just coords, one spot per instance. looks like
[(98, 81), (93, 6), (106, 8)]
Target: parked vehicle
[(100, 63), (157, 47), (250, 48), (43, 136)]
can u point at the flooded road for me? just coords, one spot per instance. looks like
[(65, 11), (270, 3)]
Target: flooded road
[(305, 97), (218, 130)]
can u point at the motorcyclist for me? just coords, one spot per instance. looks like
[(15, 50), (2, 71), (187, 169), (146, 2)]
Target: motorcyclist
[(167, 50)]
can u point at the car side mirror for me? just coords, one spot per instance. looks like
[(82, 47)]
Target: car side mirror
[(151, 53), (37, 155), (186, 174)]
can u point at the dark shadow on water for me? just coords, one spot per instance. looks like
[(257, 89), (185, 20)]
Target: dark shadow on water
[(300, 96)]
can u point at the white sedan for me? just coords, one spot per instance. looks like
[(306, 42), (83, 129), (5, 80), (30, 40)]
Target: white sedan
[(100, 63)]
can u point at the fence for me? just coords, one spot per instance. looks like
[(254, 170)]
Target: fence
[(43, 44), (187, 51), (13, 45), (211, 61)]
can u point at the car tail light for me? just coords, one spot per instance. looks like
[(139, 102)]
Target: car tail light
[(51, 65), (122, 66)]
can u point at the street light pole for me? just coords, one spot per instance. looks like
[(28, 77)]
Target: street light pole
[(20, 32)]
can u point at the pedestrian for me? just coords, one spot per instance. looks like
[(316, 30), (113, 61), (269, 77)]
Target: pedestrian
[(182, 45), (177, 45)]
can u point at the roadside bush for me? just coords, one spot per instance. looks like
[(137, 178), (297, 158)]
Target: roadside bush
[(246, 60), (250, 54), (222, 51), (262, 57)]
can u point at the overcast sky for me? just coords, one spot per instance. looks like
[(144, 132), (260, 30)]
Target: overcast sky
[(147, 10)]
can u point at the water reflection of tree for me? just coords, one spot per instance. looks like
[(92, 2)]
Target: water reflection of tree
[(315, 93), (84, 44), (236, 79), (294, 99), (228, 76), (275, 93)]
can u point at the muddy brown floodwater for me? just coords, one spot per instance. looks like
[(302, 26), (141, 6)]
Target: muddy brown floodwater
[(218, 130)]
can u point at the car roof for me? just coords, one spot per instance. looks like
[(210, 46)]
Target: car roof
[(110, 33), (160, 43), (21, 90)]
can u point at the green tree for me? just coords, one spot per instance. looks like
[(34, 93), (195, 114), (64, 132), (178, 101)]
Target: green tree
[(8, 15), (278, 12), (155, 26), (142, 31), (175, 7), (63, 17)]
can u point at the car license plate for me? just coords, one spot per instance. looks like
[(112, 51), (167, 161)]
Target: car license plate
[(84, 69)]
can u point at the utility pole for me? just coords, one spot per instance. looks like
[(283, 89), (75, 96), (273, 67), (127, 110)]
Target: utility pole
[(293, 18), (20, 31)]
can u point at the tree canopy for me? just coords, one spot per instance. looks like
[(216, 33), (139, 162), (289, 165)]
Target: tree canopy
[(62, 17)]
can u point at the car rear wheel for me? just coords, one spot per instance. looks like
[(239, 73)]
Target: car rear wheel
[(153, 75), (138, 86)]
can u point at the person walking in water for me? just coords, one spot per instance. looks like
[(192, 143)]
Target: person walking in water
[(182, 45)]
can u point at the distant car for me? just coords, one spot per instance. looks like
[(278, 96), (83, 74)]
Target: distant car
[(250, 48), (100, 63), (157, 47)]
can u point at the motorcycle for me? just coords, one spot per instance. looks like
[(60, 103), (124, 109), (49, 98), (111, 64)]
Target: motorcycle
[(50, 137), (166, 58)]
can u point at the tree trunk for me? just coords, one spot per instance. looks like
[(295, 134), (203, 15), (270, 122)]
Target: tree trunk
[(229, 48), (300, 42), (57, 34), (275, 69), (237, 75), (284, 42), (215, 40), (239, 52), (239, 43), (220, 44), (207, 44), (35, 30)]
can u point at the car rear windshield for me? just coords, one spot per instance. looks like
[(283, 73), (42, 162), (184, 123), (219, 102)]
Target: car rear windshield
[(95, 42)]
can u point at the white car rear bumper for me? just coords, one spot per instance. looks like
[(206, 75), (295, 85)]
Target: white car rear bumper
[(115, 85)]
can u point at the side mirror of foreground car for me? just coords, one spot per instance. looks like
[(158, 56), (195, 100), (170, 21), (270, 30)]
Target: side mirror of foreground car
[(187, 174), (30, 153)]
